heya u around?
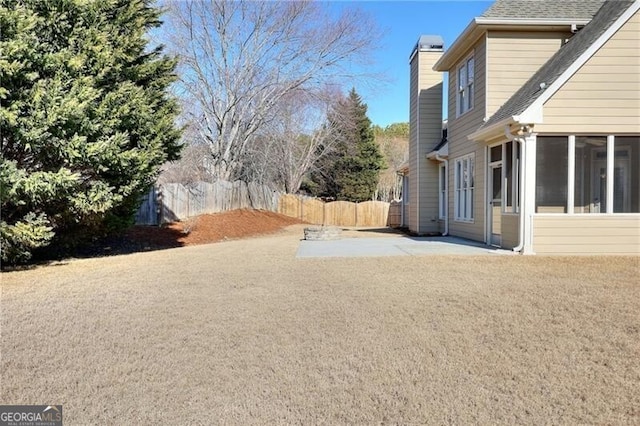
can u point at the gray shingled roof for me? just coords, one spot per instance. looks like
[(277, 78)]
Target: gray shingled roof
[(558, 63), (544, 9)]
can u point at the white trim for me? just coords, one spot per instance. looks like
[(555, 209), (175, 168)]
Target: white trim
[(486, 75), (442, 198), (472, 32), (489, 199), (537, 105), (467, 163), (464, 63), (516, 164), (571, 173), (611, 156), (530, 21), (528, 198), (591, 216), (494, 128), (485, 192)]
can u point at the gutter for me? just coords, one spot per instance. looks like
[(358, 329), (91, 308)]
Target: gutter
[(531, 21)]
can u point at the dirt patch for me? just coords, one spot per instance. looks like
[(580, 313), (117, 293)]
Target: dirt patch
[(230, 225), (204, 229)]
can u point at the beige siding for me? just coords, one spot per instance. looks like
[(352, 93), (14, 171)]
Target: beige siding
[(412, 208), (510, 235), (425, 133), (512, 58), (459, 145), (586, 234), (604, 94)]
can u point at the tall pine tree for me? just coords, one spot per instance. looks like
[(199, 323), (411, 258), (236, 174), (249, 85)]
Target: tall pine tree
[(350, 172), (85, 118)]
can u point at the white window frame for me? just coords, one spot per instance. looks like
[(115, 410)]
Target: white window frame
[(464, 193), (465, 98), (515, 178), (610, 150), (442, 191)]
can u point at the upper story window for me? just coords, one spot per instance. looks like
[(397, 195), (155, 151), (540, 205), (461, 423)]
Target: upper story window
[(466, 77)]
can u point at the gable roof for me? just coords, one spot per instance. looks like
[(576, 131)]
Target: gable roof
[(560, 62), (535, 15), (546, 9)]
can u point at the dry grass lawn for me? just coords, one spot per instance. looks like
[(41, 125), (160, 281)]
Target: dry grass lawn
[(242, 332)]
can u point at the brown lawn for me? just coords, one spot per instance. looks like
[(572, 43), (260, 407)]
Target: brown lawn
[(242, 332)]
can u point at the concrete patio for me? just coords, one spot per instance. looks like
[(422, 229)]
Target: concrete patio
[(395, 245)]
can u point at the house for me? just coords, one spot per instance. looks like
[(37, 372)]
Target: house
[(542, 151)]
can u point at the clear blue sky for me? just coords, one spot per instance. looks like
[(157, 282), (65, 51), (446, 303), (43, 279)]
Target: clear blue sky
[(403, 22)]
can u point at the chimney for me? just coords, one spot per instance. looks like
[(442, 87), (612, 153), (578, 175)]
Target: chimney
[(425, 132)]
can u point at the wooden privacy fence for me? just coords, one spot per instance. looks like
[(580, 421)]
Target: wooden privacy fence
[(174, 201), (336, 213)]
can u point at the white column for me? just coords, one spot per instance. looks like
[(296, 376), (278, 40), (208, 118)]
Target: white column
[(610, 162), (528, 199), (571, 176)]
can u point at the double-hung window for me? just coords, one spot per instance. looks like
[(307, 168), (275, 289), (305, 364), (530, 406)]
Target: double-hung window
[(464, 188), (466, 76)]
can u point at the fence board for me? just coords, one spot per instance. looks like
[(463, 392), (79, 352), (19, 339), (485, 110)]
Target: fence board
[(340, 213), (289, 205), (312, 211), (395, 214), (372, 213), (176, 202), (147, 213)]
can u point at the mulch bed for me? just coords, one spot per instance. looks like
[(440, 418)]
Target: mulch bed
[(202, 229)]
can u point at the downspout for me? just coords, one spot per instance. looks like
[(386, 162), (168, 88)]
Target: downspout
[(513, 138), (446, 195)]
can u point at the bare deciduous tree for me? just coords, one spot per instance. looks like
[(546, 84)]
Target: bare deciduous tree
[(290, 146), (394, 145), (241, 58)]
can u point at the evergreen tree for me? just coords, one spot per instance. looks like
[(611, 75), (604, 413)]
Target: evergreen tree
[(350, 172), (85, 118)]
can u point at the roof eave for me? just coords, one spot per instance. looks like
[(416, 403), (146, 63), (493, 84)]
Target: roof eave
[(445, 61), (528, 22), (530, 117), (496, 129), (480, 25), (439, 154)]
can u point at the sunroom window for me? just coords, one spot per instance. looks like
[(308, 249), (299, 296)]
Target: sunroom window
[(626, 174), (590, 188), (551, 174), (603, 175)]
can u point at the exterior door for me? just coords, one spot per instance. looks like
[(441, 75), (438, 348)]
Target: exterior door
[(495, 204)]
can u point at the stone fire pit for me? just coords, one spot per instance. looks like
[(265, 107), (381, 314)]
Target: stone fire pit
[(322, 233)]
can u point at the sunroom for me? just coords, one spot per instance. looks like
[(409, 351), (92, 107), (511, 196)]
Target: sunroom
[(587, 194)]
